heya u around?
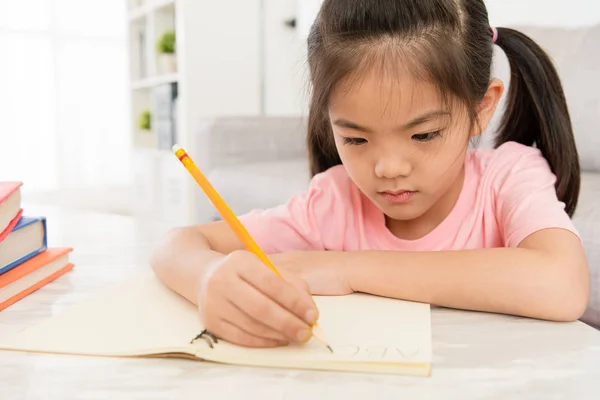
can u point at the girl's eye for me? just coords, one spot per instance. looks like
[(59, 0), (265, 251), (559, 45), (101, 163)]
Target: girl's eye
[(354, 141), (426, 137)]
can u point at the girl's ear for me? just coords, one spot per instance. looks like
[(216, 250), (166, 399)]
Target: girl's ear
[(487, 106)]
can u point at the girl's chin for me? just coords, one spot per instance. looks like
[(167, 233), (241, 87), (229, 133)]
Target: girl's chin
[(401, 212)]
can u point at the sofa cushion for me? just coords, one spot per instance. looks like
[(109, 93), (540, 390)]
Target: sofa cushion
[(260, 184), (587, 221)]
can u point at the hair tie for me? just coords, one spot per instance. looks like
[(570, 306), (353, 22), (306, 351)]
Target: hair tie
[(495, 34)]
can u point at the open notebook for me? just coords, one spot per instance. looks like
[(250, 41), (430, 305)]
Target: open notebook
[(141, 317)]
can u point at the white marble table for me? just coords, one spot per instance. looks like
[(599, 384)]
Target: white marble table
[(475, 355)]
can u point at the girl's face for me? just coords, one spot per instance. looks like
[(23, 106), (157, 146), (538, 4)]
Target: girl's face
[(400, 144)]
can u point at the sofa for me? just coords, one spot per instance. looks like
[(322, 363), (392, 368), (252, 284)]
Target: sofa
[(259, 162)]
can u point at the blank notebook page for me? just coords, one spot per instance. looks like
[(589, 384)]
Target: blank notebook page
[(140, 316), (135, 317)]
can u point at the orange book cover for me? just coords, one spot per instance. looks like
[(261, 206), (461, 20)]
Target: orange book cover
[(33, 274)]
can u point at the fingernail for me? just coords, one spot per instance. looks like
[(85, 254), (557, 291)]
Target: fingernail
[(303, 335), (311, 317)]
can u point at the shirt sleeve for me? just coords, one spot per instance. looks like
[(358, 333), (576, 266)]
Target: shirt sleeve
[(309, 221), (526, 200)]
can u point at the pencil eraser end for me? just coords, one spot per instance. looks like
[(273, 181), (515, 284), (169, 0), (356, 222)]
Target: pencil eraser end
[(176, 148)]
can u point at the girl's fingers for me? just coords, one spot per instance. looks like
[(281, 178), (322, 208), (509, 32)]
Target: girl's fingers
[(235, 315), (240, 327), (263, 308), (298, 303), (234, 334)]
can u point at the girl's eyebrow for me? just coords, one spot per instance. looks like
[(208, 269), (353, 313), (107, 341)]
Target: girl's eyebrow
[(344, 123), (425, 118)]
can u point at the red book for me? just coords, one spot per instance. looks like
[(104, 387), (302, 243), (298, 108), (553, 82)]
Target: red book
[(10, 207), (33, 274)]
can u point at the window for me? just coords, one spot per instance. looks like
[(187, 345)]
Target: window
[(63, 104)]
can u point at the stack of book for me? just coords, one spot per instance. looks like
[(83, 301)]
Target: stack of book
[(26, 262)]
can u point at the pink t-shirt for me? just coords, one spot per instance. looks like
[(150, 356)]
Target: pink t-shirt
[(508, 195)]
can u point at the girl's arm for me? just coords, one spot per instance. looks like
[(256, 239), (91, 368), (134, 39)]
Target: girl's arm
[(546, 277), (184, 254)]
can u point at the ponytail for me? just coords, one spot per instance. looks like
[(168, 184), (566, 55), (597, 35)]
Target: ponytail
[(537, 112)]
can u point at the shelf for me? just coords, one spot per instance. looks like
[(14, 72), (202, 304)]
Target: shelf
[(141, 12), (155, 81), (162, 188)]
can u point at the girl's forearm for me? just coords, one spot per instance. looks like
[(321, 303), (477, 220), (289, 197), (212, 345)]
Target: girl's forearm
[(181, 260), (505, 280)]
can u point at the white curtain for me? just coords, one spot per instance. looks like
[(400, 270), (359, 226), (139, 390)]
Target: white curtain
[(63, 94)]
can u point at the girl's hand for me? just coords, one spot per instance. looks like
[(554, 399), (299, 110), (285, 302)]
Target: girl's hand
[(245, 303), (322, 271)]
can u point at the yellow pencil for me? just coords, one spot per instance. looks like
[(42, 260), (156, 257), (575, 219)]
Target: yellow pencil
[(229, 216)]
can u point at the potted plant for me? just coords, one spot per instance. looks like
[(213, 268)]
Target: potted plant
[(144, 121), (144, 137), (167, 51)]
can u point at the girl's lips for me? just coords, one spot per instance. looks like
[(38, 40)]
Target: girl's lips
[(398, 197)]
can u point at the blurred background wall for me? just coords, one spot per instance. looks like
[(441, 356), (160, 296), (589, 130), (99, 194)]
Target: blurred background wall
[(74, 92)]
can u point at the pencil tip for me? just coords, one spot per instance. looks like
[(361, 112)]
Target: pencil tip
[(320, 339)]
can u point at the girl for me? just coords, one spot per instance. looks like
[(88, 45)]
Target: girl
[(399, 206)]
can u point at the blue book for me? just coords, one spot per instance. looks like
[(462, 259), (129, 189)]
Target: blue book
[(27, 239)]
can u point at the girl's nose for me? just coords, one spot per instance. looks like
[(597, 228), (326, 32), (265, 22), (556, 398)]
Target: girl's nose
[(392, 166)]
